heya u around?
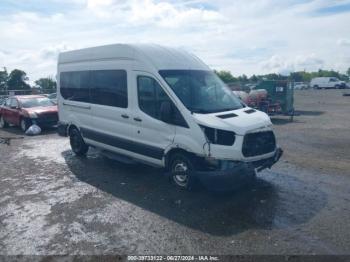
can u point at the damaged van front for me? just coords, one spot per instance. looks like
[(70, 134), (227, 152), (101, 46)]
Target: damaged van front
[(236, 140)]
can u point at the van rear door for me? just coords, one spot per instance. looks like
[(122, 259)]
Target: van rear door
[(74, 96)]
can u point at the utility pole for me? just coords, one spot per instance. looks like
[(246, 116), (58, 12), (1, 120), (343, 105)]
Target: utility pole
[(5, 85)]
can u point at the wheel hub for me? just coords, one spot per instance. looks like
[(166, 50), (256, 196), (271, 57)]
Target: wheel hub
[(181, 177)]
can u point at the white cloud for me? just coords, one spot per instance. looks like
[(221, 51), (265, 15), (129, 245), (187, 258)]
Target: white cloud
[(98, 3), (284, 65), (147, 12), (343, 42), (248, 37)]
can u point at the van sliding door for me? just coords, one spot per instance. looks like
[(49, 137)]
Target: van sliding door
[(111, 126)]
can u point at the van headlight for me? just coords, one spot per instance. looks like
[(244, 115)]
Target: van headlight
[(218, 136), (33, 115)]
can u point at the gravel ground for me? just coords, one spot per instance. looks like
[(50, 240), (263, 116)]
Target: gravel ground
[(52, 202), (319, 138)]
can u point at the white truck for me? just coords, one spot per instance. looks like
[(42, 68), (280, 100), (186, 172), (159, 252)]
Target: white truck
[(327, 82)]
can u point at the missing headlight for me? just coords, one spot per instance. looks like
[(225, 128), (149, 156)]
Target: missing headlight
[(218, 136)]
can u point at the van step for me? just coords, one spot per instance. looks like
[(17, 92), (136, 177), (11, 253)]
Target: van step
[(117, 157)]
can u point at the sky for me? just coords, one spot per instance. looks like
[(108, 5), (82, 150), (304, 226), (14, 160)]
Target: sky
[(244, 37)]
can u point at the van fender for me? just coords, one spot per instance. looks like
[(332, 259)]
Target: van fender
[(187, 144), (191, 144), (73, 122)]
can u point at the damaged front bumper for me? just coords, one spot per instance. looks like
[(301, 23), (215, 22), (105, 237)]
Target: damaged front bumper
[(233, 174)]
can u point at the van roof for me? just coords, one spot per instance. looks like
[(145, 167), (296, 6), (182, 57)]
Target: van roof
[(159, 56)]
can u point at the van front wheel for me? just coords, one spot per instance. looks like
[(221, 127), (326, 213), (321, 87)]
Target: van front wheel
[(77, 143), (181, 168)]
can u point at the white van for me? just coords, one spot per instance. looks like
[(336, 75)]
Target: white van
[(163, 107), (327, 82)]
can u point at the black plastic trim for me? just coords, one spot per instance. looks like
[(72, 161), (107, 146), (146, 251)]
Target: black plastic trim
[(139, 148), (258, 143), (227, 116), (62, 129), (250, 111)]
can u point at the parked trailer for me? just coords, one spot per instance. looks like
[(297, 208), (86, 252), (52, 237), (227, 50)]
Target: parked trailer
[(279, 99)]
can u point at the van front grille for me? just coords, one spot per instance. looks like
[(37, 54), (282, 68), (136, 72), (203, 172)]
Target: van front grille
[(259, 143)]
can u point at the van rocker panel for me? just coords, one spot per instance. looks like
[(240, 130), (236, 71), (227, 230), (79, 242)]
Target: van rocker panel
[(139, 148)]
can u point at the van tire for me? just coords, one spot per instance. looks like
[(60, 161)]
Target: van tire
[(3, 123), (181, 167), (77, 142)]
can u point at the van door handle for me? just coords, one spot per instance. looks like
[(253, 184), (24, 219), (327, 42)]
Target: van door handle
[(125, 116), (137, 119)]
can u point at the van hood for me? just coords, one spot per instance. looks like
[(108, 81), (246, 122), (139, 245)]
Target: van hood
[(241, 121)]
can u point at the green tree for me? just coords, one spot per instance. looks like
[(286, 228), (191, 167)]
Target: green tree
[(348, 72), (254, 78), (3, 79), (226, 76), (243, 78), (17, 80), (274, 76), (47, 84), (297, 76)]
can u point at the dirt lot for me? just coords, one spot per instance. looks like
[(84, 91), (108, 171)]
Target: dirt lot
[(52, 202), (319, 138)]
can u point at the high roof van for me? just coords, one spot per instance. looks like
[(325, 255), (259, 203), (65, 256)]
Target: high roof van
[(163, 107)]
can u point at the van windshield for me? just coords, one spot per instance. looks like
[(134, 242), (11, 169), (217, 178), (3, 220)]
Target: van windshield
[(201, 91)]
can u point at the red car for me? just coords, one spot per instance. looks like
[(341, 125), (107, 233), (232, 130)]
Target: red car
[(24, 111)]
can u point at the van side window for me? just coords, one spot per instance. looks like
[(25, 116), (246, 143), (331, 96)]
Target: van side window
[(109, 88), (150, 97), (75, 86)]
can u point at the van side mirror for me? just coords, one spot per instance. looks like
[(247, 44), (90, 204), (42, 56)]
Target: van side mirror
[(166, 112)]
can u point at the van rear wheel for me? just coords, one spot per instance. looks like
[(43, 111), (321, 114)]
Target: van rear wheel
[(77, 143), (181, 168)]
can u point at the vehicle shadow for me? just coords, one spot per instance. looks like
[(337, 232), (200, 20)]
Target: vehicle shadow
[(284, 121), (309, 113), (256, 206)]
